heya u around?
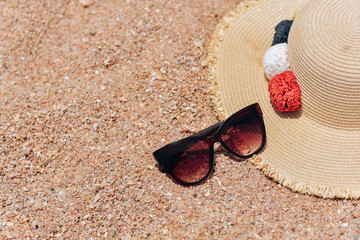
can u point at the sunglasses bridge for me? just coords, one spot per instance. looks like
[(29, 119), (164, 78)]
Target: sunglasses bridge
[(210, 134)]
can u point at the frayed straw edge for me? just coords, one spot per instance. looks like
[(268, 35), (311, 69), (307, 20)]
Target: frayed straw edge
[(287, 181), (308, 188), (213, 49)]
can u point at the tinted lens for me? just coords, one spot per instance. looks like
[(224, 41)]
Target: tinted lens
[(243, 135), (193, 163)]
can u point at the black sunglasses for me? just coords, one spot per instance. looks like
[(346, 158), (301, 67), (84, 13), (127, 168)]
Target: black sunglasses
[(190, 160)]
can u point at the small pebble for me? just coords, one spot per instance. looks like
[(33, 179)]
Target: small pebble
[(123, 99), (355, 214), (86, 3), (26, 151), (113, 234), (197, 42), (51, 189), (97, 198)]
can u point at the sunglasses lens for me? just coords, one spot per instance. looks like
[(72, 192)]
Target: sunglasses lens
[(243, 135), (193, 163)]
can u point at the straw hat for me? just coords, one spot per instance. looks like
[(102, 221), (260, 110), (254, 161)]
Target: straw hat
[(315, 150)]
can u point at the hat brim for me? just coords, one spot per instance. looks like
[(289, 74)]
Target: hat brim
[(300, 153)]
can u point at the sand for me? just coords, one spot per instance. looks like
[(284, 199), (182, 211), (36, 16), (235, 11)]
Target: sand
[(88, 90)]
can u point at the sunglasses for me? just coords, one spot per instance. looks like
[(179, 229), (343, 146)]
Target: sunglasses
[(190, 161)]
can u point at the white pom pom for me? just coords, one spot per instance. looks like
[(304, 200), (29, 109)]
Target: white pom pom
[(275, 60)]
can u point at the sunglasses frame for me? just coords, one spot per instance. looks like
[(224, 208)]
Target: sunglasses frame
[(211, 135)]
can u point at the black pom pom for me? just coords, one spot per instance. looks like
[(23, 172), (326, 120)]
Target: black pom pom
[(282, 32)]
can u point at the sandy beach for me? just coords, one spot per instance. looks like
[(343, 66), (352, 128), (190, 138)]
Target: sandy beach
[(88, 90)]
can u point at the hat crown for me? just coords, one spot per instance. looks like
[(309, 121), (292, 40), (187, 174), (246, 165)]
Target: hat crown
[(324, 54)]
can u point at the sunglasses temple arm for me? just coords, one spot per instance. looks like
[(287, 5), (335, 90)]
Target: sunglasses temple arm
[(210, 131)]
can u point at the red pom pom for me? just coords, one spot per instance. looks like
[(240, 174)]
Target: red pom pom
[(285, 93)]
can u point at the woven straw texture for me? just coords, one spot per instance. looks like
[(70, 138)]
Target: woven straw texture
[(315, 150), (325, 57)]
